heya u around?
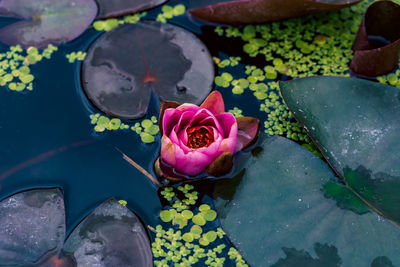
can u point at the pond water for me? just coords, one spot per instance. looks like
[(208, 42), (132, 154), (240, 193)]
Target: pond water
[(47, 139)]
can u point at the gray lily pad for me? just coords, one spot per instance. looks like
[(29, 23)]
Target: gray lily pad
[(278, 214), (45, 22), (355, 124), (111, 236), (113, 8), (124, 66), (32, 225)]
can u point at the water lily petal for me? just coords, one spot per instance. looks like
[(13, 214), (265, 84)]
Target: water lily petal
[(247, 131), (163, 107), (188, 107), (211, 150), (205, 117), (168, 151), (184, 121), (192, 163), (171, 117), (228, 123), (214, 103)]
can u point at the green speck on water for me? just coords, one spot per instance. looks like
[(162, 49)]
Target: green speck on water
[(109, 24), (168, 12), (146, 138), (122, 202), (198, 219), (14, 66)]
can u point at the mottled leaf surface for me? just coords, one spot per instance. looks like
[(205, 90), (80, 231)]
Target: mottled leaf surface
[(111, 236), (355, 123), (261, 11), (125, 65), (113, 8), (45, 22), (278, 212), (32, 225)]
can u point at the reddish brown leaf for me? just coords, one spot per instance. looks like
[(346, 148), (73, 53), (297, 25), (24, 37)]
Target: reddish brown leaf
[(261, 11), (247, 131), (382, 19)]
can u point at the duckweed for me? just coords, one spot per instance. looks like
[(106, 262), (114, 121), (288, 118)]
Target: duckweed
[(109, 24), (146, 129), (229, 62), (122, 202), (168, 12), (73, 56), (236, 112), (313, 45), (186, 243), (391, 78), (15, 72)]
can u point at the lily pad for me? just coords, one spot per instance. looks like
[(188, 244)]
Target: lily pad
[(32, 224), (278, 214), (261, 11), (372, 56), (112, 235), (114, 8), (32, 232), (124, 66), (45, 22), (355, 124)]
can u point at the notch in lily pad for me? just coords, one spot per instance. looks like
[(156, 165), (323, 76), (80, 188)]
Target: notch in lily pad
[(45, 22), (124, 66)]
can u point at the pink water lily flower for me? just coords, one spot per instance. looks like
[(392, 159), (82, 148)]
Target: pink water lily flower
[(199, 138)]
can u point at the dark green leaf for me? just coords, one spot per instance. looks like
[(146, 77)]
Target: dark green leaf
[(279, 207), (355, 123)]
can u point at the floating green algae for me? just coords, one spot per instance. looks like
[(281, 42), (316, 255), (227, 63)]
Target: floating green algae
[(189, 240), (15, 72), (73, 56), (168, 12), (229, 62), (146, 129), (392, 78), (109, 24), (236, 112), (313, 45)]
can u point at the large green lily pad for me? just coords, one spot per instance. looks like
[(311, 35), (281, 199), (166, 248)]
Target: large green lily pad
[(278, 214), (124, 66), (356, 125), (45, 21)]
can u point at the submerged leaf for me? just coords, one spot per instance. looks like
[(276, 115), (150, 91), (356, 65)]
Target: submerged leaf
[(114, 8), (261, 11), (355, 124), (32, 224), (377, 56), (124, 66), (111, 236), (279, 208), (46, 21)]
